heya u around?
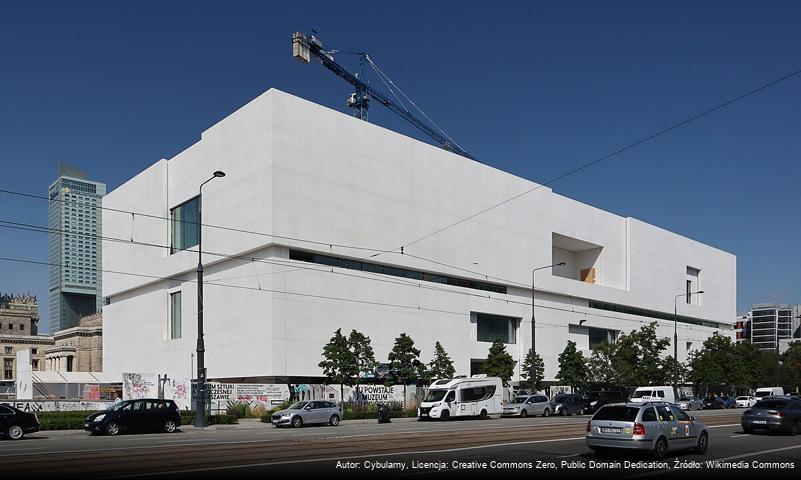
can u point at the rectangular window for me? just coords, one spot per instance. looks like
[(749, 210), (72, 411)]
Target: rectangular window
[(8, 350), (35, 364), (600, 336), (175, 315), (491, 327), (184, 226), (8, 368), (689, 291)]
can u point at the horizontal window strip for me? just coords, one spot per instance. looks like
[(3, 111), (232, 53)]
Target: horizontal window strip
[(310, 257), (642, 312)]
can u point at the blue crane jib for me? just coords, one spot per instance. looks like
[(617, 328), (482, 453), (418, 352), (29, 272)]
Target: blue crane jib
[(305, 47)]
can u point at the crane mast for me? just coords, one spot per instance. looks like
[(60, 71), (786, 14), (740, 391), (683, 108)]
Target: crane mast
[(305, 47)]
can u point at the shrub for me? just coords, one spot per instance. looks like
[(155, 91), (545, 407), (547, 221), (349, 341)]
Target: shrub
[(240, 410), (63, 420), (188, 418)]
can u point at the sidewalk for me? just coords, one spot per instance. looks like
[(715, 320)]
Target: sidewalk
[(244, 424)]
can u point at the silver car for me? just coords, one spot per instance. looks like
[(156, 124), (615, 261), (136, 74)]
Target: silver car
[(301, 413), (651, 426), (690, 403), (525, 405)]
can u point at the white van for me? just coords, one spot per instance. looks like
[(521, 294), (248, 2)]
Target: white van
[(653, 394), (478, 396), (768, 391)]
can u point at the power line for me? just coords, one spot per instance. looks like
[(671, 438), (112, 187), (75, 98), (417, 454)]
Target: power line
[(251, 232), (609, 155), (393, 281)]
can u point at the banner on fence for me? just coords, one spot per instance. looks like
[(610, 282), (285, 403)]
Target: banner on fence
[(56, 406), (265, 395), (147, 385)]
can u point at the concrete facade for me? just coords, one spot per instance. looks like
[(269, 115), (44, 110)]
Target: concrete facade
[(77, 349), (19, 320), (324, 183)]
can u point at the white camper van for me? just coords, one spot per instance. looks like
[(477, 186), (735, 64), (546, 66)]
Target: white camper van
[(654, 394), (768, 391), (478, 396)]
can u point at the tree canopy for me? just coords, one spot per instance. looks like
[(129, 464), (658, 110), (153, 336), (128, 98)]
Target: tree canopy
[(499, 363), (572, 366), (442, 365)]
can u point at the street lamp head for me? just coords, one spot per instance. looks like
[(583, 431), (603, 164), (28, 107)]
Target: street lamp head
[(219, 173), (700, 291), (561, 264)]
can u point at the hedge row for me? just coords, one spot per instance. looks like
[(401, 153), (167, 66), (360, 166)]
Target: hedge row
[(75, 420)]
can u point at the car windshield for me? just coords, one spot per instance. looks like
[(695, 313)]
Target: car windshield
[(519, 400), (763, 394), (559, 398), (435, 395), (114, 407), (642, 393), (617, 413), (771, 404), (742, 398), (298, 406)]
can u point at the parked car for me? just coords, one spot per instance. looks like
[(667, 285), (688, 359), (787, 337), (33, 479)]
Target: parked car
[(305, 413), (14, 423), (714, 403), (135, 416), (662, 393), (745, 401), (762, 392), (525, 405), (647, 426), (781, 414), (690, 403), (568, 404), (598, 399)]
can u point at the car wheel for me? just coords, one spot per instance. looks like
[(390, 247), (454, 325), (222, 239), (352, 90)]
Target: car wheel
[(334, 420), (563, 412), (445, 415), (170, 426), (15, 432), (297, 422), (112, 429), (546, 413), (793, 431), (660, 449), (748, 429), (523, 414), (703, 444)]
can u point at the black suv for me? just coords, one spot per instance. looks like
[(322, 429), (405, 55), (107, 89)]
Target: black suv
[(597, 399), (145, 415), (14, 423)]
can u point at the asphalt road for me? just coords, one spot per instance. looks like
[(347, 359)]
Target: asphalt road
[(551, 446)]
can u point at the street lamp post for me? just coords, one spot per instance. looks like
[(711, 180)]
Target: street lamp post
[(676, 340), (532, 366), (200, 402)]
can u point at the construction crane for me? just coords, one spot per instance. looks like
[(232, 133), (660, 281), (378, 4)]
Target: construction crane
[(305, 47)]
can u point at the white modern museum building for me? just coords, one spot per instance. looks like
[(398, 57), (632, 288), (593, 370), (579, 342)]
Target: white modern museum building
[(301, 238)]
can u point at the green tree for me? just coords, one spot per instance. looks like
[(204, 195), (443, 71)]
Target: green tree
[(572, 366), (638, 357), (682, 372), (442, 365), (404, 361), (790, 369), (754, 367), (339, 363), (600, 369), (539, 372), (359, 344), (716, 364), (499, 363)]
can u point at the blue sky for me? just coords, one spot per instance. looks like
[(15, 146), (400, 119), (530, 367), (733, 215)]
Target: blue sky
[(533, 88)]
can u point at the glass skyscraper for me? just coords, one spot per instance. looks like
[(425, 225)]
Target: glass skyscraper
[(75, 220)]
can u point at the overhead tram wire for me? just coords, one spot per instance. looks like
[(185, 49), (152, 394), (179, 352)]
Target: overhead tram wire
[(283, 237), (325, 297), (607, 156), (298, 267)]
